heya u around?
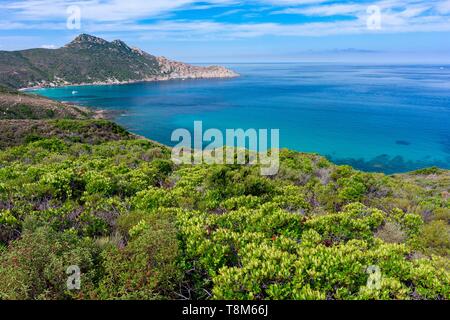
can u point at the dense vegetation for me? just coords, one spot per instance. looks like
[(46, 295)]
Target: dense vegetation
[(141, 227), (17, 132)]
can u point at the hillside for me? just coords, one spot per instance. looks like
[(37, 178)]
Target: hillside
[(17, 105), (88, 59), (17, 132), (87, 193)]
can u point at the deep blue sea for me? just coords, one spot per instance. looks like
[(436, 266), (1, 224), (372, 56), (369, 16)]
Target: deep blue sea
[(377, 118)]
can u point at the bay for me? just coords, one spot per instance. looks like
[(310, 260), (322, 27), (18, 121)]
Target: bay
[(384, 118)]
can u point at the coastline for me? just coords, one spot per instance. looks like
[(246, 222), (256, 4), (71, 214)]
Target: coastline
[(117, 82), (110, 114), (375, 163)]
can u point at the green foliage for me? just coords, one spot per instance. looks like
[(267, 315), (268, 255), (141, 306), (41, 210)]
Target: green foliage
[(16, 105), (138, 229), (152, 198), (252, 256), (141, 227), (435, 236), (147, 267), (355, 222), (428, 171), (320, 272), (352, 189), (235, 203), (6, 218), (35, 266)]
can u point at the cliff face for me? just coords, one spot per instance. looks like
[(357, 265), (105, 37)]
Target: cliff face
[(91, 60), (177, 70)]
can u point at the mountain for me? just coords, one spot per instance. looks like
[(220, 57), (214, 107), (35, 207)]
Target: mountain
[(92, 60)]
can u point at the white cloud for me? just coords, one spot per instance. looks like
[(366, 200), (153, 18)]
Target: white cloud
[(292, 2), (405, 7), (228, 13), (106, 16), (443, 7), (49, 46), (206, 30), (110, 10), (325, 10)]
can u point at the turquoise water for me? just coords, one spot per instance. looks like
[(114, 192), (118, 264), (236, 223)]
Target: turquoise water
[(376, 118)]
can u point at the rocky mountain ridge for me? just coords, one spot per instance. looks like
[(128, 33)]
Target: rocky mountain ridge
[(92, 60)]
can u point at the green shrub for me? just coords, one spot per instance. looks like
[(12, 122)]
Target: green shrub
[(354, 222), (34, 267), (141, 227), (435, 237), (235, 203), (152, 198), (97, 183), (147, 267), (351, 189), (6, 218)]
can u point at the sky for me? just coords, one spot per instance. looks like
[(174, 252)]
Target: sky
[(372, 31)]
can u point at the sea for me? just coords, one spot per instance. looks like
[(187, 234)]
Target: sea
[(377, 118)]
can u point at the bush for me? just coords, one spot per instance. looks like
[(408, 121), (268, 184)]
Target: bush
[(34, 267), (141, 227), (152, 198), (147, 267), (320, 272), (435, 237), (7, 219), (391, 232), (354, 222), (352, 189)]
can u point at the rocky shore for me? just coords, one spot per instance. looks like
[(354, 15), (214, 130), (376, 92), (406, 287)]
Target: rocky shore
[(181, 71)]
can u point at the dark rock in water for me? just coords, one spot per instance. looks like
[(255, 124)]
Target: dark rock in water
[(403, 142)]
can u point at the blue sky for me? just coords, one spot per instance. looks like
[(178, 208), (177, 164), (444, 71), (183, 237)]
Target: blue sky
[(377, 31)]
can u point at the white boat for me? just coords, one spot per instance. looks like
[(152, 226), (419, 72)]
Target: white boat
[(74, 92)]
